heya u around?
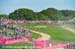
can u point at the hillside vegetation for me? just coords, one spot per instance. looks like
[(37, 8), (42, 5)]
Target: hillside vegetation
[(46, 14)]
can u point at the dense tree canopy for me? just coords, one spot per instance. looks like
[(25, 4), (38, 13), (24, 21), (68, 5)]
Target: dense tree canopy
[(4, 16), (21, 14), (46, 14), (53, 14), (68, 14)]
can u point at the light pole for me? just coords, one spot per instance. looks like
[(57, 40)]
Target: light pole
[(1, 25), (33, 44)]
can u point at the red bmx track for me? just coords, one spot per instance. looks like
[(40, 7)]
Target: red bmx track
[(38, 42), (5, 40)]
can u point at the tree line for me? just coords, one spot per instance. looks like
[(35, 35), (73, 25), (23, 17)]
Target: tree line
[(46, 14)]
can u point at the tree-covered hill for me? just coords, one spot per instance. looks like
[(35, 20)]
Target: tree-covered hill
[(46, 14)]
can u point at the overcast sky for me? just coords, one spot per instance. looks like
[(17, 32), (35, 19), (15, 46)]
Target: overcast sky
[(7, 6)]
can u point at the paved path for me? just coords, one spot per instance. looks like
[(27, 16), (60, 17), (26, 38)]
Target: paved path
[(68, 28), (44, 35)]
